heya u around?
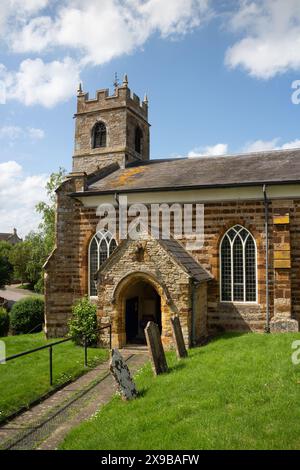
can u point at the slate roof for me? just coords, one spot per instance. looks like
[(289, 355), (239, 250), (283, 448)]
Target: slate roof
[(202, 172), (184, 259), (5, 236), (178, 253), (10, 237)]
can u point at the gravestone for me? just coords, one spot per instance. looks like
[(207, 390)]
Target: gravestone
[(178, 337), (156, 350), (122, 376)]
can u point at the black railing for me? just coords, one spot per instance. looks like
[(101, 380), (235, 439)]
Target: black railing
[(50, 347)]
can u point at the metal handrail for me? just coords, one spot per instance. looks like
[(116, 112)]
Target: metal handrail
[(50, 347)]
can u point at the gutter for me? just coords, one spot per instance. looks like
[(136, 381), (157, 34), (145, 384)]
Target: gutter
[(178, 188), (266, 203)]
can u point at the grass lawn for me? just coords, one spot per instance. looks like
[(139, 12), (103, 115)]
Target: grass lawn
[(238, 392), (25, 379)]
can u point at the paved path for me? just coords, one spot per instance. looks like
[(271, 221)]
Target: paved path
[(13, 293), (45, 425)]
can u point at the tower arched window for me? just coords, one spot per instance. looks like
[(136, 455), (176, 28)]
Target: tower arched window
[(101, 247), (238, 266), (99, 135), (138, 140)]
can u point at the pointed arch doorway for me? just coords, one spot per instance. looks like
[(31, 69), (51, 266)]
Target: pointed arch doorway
[(139, 300), (142, 304)]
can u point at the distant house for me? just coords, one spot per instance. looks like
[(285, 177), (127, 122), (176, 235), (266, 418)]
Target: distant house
[(11, 238)]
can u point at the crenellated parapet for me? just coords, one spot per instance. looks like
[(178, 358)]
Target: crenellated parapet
[(123, 129), (122, 97)]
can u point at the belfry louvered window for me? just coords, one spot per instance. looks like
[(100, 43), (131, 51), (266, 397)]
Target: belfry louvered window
[(138, 140), (238, 266), (101, 247)]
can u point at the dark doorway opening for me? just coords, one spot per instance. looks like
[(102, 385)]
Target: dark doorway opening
[(143, 304), (132, 318)]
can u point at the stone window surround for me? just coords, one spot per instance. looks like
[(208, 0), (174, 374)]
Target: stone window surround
[(99, 120), (256, 302)]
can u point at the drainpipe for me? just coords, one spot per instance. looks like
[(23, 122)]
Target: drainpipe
[(266, 203), (116, 198), (193, 341)]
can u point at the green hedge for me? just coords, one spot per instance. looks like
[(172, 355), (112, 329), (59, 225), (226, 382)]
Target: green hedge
[(27, 315), (4, 322)]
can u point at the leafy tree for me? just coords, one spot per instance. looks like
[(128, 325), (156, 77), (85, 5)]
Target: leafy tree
[(47, 210), (29, 256), (5, 248), (5, 271), (38, 255), (19, 257), (6, 267)]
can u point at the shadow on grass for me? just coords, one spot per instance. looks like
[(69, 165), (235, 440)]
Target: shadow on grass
[(227, 335), (178, 366), (142, 393)]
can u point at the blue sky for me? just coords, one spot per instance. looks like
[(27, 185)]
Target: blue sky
[(218, 75)]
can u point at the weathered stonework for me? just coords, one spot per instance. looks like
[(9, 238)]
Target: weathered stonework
[(121, 113), (198, 304), (158, 269)]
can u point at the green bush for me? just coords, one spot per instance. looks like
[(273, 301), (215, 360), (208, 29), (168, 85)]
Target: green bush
[(83, 323), (27, 315), (4, 322)]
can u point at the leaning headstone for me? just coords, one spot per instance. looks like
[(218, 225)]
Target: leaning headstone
[(122, 376), (156, 350), (178, 337)]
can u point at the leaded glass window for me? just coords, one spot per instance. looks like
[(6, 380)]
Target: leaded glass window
[(101, 247), (238, 266), (99, 135)]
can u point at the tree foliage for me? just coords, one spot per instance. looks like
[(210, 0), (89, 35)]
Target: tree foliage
[(6, 268), (5, 271), (29, 256), (47, 210), (83, 324)]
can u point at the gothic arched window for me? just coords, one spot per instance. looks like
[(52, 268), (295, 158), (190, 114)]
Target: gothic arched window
[(99, 135), (238, 266), (101, 247), (138, 140)]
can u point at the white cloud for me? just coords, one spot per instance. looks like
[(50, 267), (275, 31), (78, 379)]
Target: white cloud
[(93, 32), (17, 11), (19, 193), (37, 82), (209, 151), (12, 133), (250, 147), (35, 133), (265, 145), (271, 42), (261, 145), (118, 27)]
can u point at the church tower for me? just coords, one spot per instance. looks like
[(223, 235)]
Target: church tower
[(110, 129)]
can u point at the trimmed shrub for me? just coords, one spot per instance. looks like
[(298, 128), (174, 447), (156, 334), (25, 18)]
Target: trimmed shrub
[(27, 315), (4, 322), (83, 323)]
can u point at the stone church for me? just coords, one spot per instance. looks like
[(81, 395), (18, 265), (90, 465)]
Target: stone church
[(245, 276)]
